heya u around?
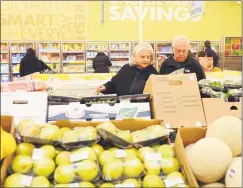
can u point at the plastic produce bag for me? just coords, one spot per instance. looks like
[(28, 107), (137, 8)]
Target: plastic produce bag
[(78, 137), (207, 92), (153, 134), (20, 180), (114, 136), (234, 95), (215, 85)]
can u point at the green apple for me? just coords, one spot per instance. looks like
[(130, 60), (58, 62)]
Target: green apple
[(113, 149), (125, 135), (89, 133), (156, 131), (131, 152), (113, 170), (70, 136), (166, 151), (64, 174), (22, 164), (155, 147), (44, 167), (170, 165), (106, 156), (106, 185), (82, 154), (63, 129), (151, 180), (139, 136), (133, 167), (98, 149), (87, 170), (174, 179), (64, 157), (143, 151), (86, 184), (28, 127), (50, 132), (25, 149), (40, 181), (151, 169), (48, 151), (14, 180), (108, 126)]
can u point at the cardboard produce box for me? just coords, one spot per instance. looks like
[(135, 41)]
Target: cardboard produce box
[(176, 100), (184, 137), (215, 108), (24, 105), (99, 112), (7, 125)]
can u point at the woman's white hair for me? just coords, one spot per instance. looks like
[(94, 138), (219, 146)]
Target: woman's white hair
[(138, 48)]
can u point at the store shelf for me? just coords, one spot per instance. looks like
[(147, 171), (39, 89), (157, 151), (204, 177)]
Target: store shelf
[(4, 52), (73, 52), (75, 62), (49, 51)]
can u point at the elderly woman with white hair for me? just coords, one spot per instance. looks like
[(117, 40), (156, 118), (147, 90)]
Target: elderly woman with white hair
[(132, 77)]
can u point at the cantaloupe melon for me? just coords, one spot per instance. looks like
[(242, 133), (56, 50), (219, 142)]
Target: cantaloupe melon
[(187, 148), (229, 130), (233, 176), (216, 184), (209, 159)]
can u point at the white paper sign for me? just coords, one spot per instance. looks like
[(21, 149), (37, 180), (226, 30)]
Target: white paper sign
[(197, 8)]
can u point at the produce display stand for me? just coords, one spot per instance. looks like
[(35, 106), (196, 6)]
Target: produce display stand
[(5, 65)]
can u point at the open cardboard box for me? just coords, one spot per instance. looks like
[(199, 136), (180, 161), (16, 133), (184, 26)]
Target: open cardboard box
[(176, 100), (184, 137), (7, 125), (215, 108)]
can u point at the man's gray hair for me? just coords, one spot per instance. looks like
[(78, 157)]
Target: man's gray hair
[(180, 38), (138, 48)]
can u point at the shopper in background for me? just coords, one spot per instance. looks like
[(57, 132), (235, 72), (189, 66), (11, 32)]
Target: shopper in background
[(211, 53), (181, 59), (205, 62), (30, 64), (132, 77), (101, 63)]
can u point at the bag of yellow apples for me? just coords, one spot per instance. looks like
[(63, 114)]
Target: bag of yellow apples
[(80, 165), (130, 182), (119, 164), (20, 180), (34, 161), (29, 131), (83, 184), (154, 134), (113, 136), (160, 160), (78, 137)]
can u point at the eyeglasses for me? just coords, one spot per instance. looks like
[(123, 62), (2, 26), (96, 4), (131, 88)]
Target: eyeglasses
[(180, 51)]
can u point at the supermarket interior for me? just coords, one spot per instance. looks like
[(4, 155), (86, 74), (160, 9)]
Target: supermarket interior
[(121, 94)]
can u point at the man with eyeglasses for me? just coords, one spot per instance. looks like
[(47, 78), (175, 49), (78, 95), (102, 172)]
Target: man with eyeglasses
[(180, 59)]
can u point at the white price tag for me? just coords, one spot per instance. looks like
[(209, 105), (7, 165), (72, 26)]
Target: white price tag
[(73, 185), (74, 103), (26, 180), (79, 156), (37, 154), (198, 124), (154, 159), (124, 185), (173, 182), (167, 125), (120, 153)]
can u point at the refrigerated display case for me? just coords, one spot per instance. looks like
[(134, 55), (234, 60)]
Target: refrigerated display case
[(92, 48), (5, 65), (120, 54), (73, 57), (232, 53), (17, 52), (50, 53)]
